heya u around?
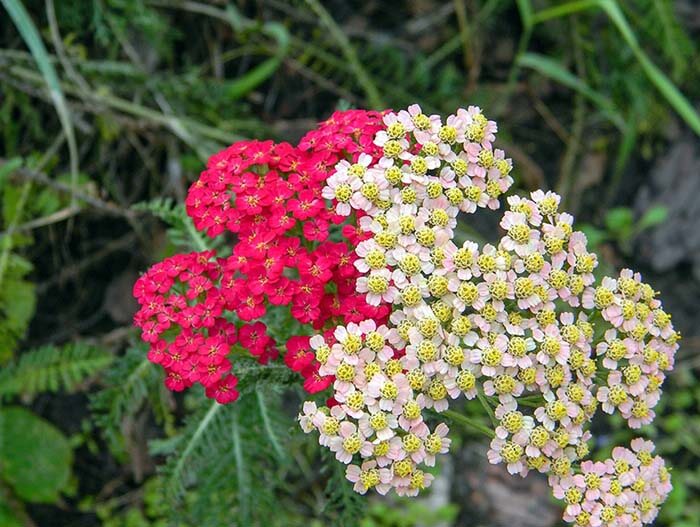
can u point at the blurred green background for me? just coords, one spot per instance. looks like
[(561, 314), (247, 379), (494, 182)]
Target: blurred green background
[(108, 111)]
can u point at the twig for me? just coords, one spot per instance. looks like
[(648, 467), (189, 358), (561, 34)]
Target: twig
[(39, 177), (124, 242), (60, 50), (532, 173), (512, 81), (56, 217), (15, 505), (7, 240), (324, 83), (548, 116), (135, 109), (469, 422), (487, 407), (19, 207)]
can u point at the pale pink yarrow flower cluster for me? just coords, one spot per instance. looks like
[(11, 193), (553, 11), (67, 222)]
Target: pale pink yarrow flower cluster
[(521, 318)]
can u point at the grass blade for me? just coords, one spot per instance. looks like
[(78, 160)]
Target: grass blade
[(562, 10), (31, 38), (526, 13), (363, 78), (672, 94), (554, 70), (658, 78)]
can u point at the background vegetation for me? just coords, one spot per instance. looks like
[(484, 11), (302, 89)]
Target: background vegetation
[(109, 109)]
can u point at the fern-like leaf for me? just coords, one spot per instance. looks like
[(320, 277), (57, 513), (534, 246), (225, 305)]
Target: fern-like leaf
[(17, 302), (344, 504), (227, 457), (53, 368), (130, 384)]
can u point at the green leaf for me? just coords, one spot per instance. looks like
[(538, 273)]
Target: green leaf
[(562, 10), (131, 383), (526, 13), (662, 83), (243, 85), (594, 235), (364, 79), (619, 220), (7, 518), (35, 456), (17, 304), (652, 217), (677, 500), (182, 231)]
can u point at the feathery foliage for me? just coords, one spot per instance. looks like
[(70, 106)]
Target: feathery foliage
[(53, 368), (228, 457), (131, 385), (17, 302), (344, 504)]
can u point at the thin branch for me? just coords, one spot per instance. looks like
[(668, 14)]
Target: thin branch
[(26, 174), (56, 217)]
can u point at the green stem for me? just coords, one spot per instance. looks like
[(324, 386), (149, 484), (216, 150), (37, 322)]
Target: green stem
[(485, 403), (469, 422)]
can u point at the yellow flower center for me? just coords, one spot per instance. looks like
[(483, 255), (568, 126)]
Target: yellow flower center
[(396, 130), (389, 390), (345, 372), (377, 284), (411, 443), (378, 421), (437, 285), (411, 410), (519, 233), (460, 166), (465, 380), (447, 134), (511, 452), (410, 295), (453, 355), (392, 148), (375, 259), (374, 340), (343, 192), (352, 444)]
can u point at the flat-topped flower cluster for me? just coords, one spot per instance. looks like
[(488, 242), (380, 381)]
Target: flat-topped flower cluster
[(522, 324), (352, 235)]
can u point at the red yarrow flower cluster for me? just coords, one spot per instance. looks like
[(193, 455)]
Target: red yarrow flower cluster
[(181, 318), (267, 198)]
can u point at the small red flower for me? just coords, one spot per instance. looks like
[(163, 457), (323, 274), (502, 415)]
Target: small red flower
[(299, 354), (223, 391)]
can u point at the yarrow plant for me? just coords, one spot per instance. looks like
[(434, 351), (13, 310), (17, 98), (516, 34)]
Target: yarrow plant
[(406, 320)]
